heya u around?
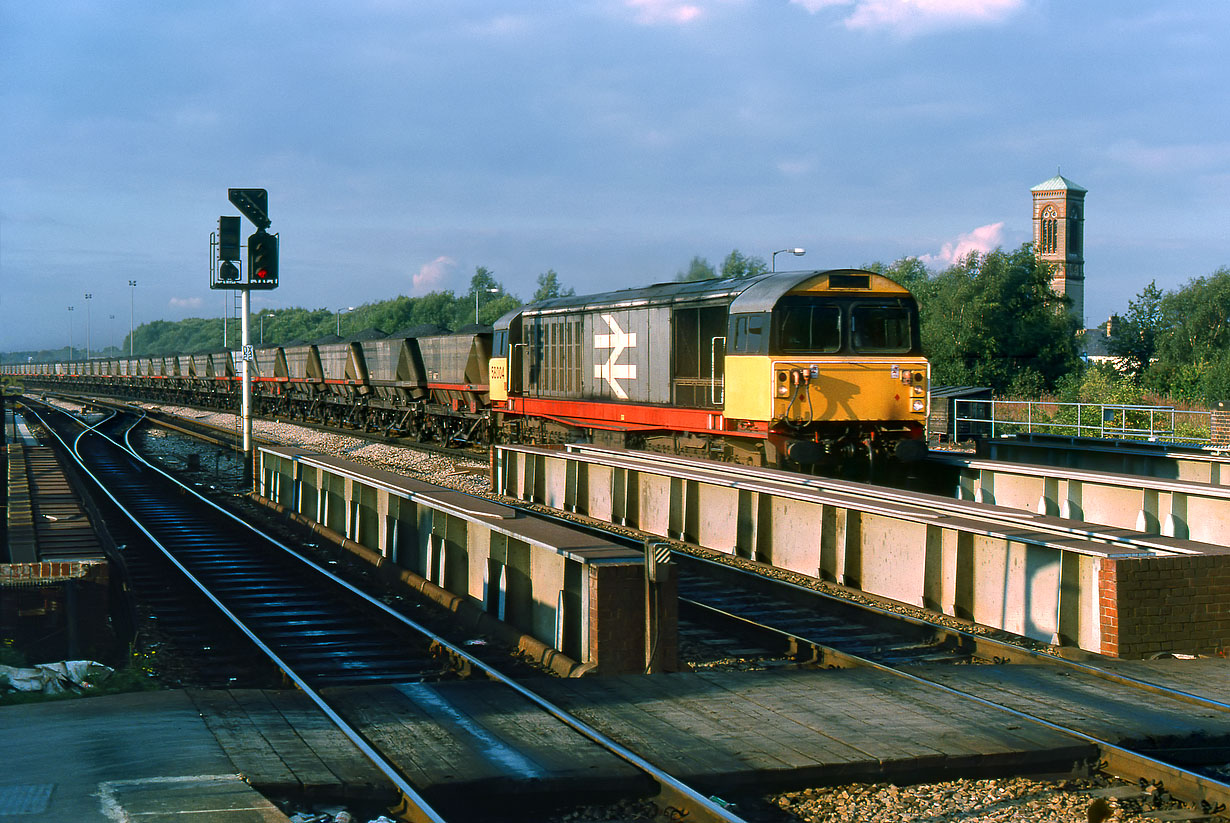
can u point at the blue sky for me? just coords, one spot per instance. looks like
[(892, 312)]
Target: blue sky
[(405, 143)]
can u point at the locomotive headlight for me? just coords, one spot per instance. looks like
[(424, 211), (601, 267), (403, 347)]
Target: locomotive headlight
[(783, 384), (918, 404)]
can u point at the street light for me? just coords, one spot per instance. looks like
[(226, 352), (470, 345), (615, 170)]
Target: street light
[(111, 331), (477, 292), (88, 298), (263, 316), (340, 312), (70, 332), (132, 297), (795, 252)]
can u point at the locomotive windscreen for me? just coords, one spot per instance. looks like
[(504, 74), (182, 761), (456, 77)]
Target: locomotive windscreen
[(811, 328), (824, 325), (884, 329)]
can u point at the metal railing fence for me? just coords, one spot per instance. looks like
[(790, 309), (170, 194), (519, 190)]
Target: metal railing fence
[(995, 418)]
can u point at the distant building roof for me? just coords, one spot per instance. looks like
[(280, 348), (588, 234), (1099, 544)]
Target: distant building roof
[(1095, 343), (1057, 183)]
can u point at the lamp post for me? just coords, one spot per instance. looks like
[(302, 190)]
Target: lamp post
[(477, 292), (88, 298), (263, 316), (340, 312), (795, 252), (132, 297), (70, 332), (111, 331)]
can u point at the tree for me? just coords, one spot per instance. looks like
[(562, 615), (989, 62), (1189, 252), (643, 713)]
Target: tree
[(1193, 362), (992, 320), (548, 287), (738, 266), (482, 280), (698, 269), (1133, 337), (909, 272)]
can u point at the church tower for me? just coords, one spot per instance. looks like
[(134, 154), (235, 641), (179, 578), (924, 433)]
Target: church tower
[(1059, 238)]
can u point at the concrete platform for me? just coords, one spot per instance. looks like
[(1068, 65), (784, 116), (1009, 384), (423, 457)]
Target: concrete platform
[(155, 753), (717, 731), (146, 756)]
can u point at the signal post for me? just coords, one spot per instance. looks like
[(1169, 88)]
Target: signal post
[(261, 273)]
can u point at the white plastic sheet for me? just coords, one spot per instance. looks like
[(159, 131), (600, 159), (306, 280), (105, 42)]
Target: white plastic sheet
[(54, 678)]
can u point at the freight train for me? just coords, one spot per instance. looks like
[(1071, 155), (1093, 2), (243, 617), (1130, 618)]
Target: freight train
[(794, 369)]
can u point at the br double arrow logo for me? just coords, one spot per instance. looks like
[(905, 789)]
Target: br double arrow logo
[(611, 371)]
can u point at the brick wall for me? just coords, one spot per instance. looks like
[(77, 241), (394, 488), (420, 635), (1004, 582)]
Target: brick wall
[(58, 611), (1220, 425), (1165, 604), (617, 617), (34, 574)]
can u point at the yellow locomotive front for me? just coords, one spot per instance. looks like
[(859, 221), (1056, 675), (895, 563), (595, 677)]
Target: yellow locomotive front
[(831, 370)]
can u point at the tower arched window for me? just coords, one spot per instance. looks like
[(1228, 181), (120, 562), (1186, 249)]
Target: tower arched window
[(1050, 230), (1074, 232)]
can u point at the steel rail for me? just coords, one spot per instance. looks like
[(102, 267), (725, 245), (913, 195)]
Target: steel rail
[(1119, 760), (1006, 649), (422, 810), (673, 792)]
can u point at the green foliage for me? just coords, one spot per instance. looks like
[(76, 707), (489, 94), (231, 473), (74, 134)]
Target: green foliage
[(1134, 337), (992, 320), (282, 326), (698, 269), (736, 265), (739, 266), (909, 272), (548, 287)]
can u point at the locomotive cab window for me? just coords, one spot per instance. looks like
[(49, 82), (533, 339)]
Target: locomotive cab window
[(750, 334), (807, 326), (881, 328)]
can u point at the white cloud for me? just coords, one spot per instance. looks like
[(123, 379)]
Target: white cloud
[(982, 240), (664, 11), (186, 302), (432, 276), (909, 17)]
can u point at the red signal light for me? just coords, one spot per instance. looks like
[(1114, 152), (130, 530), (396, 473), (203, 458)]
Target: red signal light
[(263, 259)]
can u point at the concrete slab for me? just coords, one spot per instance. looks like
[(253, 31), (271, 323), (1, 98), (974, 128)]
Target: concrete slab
[(105, 758)]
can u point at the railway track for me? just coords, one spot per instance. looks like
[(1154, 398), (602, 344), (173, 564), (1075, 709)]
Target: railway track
[(317, 629), (761, 609), (842, 634)]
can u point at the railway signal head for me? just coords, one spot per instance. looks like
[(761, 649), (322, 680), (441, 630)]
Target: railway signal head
[(262, 260), (228, 238)]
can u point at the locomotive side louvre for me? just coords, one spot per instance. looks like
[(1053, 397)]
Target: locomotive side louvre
[(605, 356)]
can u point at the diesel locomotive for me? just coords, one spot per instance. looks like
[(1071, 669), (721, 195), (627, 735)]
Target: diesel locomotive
[(785, 369)]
